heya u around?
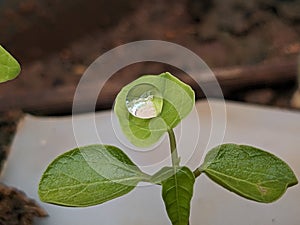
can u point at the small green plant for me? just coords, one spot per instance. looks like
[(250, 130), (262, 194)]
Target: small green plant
[(9, 67), (146, 109)]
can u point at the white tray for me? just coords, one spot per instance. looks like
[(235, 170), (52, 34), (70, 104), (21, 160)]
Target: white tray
[(39, 140)]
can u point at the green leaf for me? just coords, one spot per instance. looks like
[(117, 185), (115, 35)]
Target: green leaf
[(177, 192), (250, 172), (89, 176), (178, 101), (9, 67)]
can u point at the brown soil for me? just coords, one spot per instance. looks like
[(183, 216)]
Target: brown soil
[(16, 208), (8, 127), (223, 33)]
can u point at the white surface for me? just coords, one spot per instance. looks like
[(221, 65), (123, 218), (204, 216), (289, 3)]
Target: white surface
[(40, 140)]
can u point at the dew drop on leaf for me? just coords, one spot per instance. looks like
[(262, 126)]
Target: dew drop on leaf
[(144, 101)]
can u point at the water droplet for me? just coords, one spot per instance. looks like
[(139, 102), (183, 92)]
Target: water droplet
[(144, 101)]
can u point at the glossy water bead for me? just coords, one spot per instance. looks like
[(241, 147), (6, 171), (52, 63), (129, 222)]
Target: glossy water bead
[(144, 101)]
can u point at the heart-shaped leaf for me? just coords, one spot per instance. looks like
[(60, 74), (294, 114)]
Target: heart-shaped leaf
[(250, 172), (89, 176), (178, 101), (177, 192), (9, 67)]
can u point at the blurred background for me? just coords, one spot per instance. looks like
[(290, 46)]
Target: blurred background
[(252, 46)]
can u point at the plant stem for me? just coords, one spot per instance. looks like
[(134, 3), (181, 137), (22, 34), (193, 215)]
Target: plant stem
[(173, 148), (197, 172), (146, 178)]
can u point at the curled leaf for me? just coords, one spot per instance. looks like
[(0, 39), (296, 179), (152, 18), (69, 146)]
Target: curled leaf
[(178, 100)]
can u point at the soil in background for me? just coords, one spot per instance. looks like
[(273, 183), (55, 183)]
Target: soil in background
[(57, 48)]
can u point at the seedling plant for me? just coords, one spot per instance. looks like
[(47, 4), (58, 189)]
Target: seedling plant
[(146, 109)]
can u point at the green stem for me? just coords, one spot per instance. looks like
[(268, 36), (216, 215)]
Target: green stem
[(146, 178), (173, 148), (197, 172)]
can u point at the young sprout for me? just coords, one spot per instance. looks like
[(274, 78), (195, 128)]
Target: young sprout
[(146, 109)]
